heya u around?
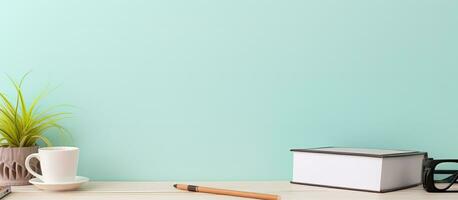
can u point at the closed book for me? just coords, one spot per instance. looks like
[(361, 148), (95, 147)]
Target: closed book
[(374, 170)]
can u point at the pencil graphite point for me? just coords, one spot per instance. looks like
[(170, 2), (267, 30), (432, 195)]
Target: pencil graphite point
[(175, 185)]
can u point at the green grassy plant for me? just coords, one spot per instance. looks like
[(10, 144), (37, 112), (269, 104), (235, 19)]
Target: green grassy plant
[(22, 125)]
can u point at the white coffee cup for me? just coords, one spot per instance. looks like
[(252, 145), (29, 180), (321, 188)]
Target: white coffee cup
[(58, 164)]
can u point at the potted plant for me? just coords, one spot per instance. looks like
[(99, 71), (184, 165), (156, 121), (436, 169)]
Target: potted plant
[(21, 127)]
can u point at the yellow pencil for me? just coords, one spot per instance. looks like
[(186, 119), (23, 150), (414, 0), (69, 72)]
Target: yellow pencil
[(253, 195)]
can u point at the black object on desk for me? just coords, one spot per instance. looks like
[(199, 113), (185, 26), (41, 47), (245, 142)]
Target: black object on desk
[(440, 175)]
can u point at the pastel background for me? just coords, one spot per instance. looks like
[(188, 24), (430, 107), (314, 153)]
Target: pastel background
[(221, 90)]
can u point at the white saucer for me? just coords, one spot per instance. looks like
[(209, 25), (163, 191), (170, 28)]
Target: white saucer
[(79, 180)]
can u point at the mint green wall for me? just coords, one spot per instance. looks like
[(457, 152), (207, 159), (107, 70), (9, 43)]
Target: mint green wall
[(221, 90)]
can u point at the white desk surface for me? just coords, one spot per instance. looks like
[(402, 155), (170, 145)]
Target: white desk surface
[(165, 191)]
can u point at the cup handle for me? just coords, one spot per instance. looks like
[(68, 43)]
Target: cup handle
[(27, 165)]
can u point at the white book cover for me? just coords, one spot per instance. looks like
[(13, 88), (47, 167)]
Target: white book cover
[(375, 170)]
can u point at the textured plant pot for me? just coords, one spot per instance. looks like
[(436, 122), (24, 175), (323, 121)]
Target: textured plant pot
[(12, 165)]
